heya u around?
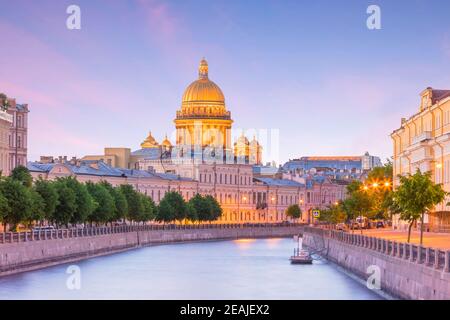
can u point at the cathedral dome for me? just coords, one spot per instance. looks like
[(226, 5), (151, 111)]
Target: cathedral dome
[(203, 95), (149, 142)]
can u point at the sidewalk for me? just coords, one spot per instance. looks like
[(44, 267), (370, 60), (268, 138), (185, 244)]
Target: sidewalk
[(430, 239)]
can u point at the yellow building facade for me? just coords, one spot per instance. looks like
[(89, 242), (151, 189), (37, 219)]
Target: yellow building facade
[(423, 142)]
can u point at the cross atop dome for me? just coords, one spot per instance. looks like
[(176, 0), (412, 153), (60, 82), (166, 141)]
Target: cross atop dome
[(203, 69)]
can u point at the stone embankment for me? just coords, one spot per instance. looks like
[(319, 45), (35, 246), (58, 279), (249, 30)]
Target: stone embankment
[(27, 251), (407, 271)]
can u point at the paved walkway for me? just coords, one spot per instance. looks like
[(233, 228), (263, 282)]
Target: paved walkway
[(430, 239)]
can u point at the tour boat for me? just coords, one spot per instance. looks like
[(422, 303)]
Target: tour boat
[(302, 257)]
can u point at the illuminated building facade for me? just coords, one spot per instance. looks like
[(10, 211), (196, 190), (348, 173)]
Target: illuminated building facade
[(423, 143)]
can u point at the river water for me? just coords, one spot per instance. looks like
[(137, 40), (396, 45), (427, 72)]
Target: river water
[(240, 269)]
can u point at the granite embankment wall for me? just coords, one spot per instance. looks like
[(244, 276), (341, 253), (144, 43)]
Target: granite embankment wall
[(29, 251), (406, 271)]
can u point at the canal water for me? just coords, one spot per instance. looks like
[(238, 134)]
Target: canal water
[(240, 269)]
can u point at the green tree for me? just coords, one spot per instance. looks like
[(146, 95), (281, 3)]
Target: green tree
[(166, 212), (379, 188), (46, 189), (4, 103), (4, 209), (192, 215), (37, 208), (134, 202), (216, 209), (19, 202), (333, 214), (148, 209), (84, 202), (120, 202), (294, 211), (66, 205), (416, 195), (22, 174), (359, 202), (178, 206), (199, 208), (104, 210)]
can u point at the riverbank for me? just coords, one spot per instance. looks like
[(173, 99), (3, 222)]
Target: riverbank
[(246, 269), (30, 251), (405, 271)]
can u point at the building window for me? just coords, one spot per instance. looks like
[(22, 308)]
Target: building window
[(438, 121)]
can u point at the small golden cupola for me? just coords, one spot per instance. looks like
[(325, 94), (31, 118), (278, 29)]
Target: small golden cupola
[(166, 143), (149, 142), (242, 146)]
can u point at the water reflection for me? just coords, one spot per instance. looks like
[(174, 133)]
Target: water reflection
[(240, 269)]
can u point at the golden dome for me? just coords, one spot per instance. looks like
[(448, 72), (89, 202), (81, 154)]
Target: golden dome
[(149, 142), (203, 91), (166, 142)]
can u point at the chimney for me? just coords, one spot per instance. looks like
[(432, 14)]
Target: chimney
[(46, 159), (94, 165), (403, 121)]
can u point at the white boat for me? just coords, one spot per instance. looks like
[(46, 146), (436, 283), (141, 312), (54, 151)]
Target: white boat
[(301, 256)]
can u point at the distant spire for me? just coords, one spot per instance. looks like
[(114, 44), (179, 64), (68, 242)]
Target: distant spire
[(203, 69)]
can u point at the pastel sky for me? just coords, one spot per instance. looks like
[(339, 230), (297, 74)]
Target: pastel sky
[(311, 69)]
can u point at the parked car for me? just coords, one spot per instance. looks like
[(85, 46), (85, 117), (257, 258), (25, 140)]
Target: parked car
[(341, 227), (44, 228), (380, 224), (355, 225)]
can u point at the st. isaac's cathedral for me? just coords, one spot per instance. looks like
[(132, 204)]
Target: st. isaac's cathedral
[(203, 136)]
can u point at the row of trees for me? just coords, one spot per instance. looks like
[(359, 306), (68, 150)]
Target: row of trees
[(371, 199), (376, 199), (67, 201)]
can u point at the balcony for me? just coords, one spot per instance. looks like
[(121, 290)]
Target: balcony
[(426, 135), (182, 115)]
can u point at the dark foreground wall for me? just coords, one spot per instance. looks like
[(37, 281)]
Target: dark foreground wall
[(28, 255), (406, 271)]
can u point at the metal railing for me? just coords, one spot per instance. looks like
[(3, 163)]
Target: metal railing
[(430, 257), (38, 235)]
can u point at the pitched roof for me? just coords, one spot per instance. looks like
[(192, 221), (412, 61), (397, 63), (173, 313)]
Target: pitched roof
[(99, 168), (279, 182), (440, 94)]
